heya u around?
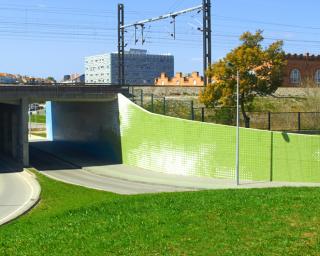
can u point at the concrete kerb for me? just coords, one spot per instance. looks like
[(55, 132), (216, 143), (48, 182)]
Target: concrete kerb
[(34, 198)]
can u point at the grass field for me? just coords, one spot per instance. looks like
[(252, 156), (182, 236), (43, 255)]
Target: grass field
[(42, 134), (41, 119), (71, 220)]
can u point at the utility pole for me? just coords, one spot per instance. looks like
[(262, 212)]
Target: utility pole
[(205, 7), (121, 77), (238, 131), (206, 40)]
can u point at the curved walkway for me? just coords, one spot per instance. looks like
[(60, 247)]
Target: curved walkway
[(58, 169), (122, 179), (78, 168), (19, 192)]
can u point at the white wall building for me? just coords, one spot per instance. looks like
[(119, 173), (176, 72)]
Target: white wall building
[(140, 67)]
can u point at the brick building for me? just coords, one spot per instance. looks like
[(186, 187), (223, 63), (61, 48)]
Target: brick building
[(179, 79), (300, 68)]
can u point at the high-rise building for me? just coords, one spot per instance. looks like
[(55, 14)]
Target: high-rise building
[(140, 67)]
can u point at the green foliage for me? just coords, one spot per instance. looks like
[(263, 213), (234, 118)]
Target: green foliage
[(71, 220), (225, 116), (173, 107), (50, 78), (260, 71), (41, 119)]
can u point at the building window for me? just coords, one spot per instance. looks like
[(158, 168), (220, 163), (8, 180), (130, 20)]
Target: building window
[(194, 82), (295, 76), (317, 77)]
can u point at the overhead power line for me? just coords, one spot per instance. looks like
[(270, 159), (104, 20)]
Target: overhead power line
[(269, 23), (166, 16), (206, 30)]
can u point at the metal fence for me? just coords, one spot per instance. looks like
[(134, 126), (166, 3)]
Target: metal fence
[(274, 121), (304, 122)]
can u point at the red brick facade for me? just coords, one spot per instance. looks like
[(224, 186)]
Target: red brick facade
[(180, 80), (300, 68)]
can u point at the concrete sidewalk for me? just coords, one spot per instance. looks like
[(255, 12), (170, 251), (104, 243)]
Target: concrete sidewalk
[(35, 138), (80, 168), (19, 192), (129, 173)]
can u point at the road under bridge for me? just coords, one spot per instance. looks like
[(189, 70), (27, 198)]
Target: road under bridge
[(77, 116)]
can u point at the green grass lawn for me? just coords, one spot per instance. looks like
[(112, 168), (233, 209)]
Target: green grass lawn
[(41, 119), (40, 134), (71, 220)]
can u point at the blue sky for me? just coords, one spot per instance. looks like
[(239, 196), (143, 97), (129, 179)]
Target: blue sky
[(46, 37)]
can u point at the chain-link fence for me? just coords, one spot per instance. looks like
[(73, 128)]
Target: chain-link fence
[(169, 106), (308, 122)]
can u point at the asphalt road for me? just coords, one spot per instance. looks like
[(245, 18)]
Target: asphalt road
[(18, 191)]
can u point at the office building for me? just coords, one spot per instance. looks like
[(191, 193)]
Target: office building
[(140, 67)]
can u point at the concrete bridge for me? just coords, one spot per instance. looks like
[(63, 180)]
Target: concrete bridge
[(79, 115)]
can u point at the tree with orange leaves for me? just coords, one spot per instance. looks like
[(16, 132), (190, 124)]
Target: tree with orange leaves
[(260, 71)]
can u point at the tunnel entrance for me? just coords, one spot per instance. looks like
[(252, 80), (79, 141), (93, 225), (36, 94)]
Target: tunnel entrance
[(9, 130), (11, 134), (37, 121), (78, 134)]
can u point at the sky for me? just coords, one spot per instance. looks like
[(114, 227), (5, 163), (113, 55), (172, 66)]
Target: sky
[(51, 37)]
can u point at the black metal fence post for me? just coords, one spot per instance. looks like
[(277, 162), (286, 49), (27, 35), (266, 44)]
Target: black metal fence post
[(202, 114), (152, 106), (164, 105), (132, 95), (141, 97), (192, 110), (299, 121), (269, 121)]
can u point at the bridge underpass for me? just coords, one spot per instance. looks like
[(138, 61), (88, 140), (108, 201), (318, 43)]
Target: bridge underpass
[(84, 141), (82, 118), (82, 133), (13, 131), (83, 145)]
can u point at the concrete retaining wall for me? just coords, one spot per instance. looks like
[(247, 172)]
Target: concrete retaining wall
[(91, 125), (178, 146), (296, 92), (162, 91)]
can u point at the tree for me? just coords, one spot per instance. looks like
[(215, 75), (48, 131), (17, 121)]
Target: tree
[(260, 70), (50, 78)]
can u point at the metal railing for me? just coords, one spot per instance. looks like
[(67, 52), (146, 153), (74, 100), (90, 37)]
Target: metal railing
[(302, 122), (273, 121)]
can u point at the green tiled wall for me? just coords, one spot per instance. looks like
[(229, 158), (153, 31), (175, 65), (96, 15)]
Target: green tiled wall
[(177, 146), (296, 157)]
